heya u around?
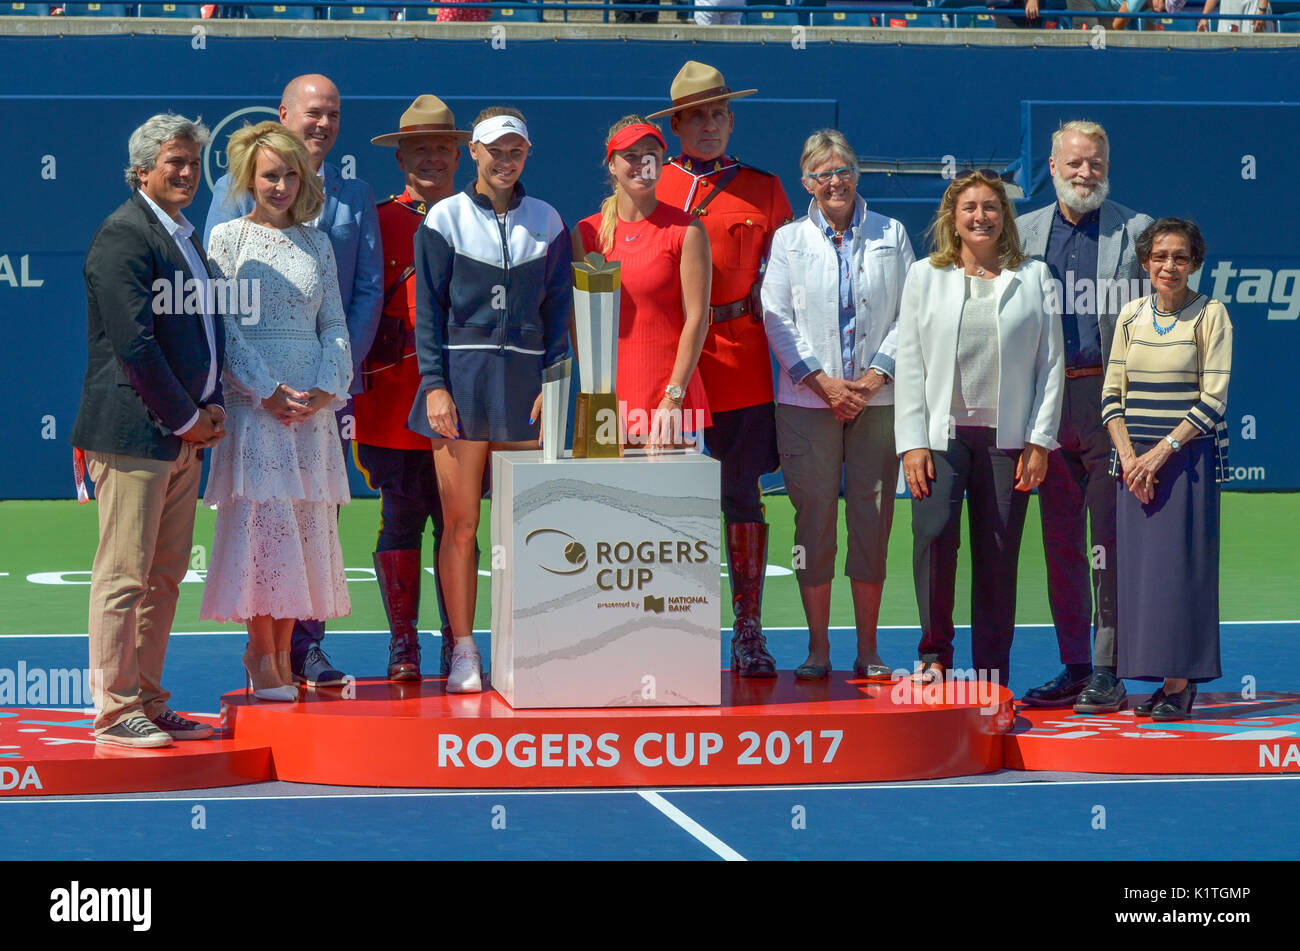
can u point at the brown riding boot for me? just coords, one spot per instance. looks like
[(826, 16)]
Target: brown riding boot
[(398, 574), (747, 563)]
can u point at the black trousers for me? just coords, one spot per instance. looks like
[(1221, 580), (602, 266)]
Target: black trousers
[(972, 465), (1079, 486), (744, 443)]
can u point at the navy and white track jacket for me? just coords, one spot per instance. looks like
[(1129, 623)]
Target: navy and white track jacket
[(485, 285)]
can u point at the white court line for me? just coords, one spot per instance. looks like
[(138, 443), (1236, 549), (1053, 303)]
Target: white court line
[(703, 835), (434, 633), (452, 793)]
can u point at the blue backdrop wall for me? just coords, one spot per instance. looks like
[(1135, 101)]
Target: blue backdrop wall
[(1196, 133)]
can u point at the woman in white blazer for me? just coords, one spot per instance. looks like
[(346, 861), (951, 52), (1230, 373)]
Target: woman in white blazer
[(830, 309), (977, 406)]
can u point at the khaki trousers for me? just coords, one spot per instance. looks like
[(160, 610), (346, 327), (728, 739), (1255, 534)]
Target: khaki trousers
[(146, 528)]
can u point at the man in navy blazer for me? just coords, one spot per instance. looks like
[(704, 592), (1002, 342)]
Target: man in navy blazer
[(309, 106), (1090, 244), (150, 403)]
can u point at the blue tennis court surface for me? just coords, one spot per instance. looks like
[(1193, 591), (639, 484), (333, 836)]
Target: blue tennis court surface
[(1178, 819), (1007, 815)]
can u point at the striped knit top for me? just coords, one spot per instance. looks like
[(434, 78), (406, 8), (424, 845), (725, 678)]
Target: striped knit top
[(1156, 380)]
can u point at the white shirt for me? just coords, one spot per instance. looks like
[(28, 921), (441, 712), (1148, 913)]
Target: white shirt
[(315, 222), (181, 231)]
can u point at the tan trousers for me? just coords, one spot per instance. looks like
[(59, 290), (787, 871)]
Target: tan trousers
[(146, 528)]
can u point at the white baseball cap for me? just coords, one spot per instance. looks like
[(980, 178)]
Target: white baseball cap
[(489, 130)]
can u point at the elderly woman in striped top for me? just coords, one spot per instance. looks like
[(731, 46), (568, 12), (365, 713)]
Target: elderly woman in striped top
[(1163, 401)]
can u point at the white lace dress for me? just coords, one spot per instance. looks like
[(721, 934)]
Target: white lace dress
[(275, 486)]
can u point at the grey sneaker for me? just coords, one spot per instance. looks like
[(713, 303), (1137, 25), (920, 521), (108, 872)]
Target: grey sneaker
[(134, 731), (181, 728), (317, 671)]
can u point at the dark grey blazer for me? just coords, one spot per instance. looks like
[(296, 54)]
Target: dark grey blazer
[(1119, 229), (145, 371)]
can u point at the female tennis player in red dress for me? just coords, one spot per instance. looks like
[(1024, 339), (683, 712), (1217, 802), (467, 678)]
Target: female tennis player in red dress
[(664, 302)]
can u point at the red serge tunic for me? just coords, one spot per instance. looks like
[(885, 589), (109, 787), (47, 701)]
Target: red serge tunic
[(650, 316), (381, 410), (736, 365)]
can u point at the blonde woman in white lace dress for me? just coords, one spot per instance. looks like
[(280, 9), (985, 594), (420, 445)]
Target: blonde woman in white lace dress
[(278, 477)]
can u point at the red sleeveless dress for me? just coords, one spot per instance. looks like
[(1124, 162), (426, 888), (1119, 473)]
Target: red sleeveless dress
[(650, 316)]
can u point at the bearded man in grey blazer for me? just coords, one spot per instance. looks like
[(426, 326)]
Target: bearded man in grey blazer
[(1090, 245)]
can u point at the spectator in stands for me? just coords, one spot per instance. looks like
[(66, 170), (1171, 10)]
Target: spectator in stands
[(277, 481), (649, 15), (1137, 6), (1241, 8), (460, 14), (395, 460), (1036, 13), (1164, 403), (1090, 245), (977, 406), (481, 367), (310, 107), (150, 403), (741, 207), (722, 17), (664, 290), (830, 307)]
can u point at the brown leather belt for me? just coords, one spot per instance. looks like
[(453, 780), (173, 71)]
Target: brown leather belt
[(725, 312), (1075, 373)]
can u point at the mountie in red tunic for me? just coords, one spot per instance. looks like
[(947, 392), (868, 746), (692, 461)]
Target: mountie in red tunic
[(382, 409), (735, 364)]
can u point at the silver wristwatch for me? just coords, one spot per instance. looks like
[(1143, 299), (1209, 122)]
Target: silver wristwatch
[(675, 392), (1174, 443)]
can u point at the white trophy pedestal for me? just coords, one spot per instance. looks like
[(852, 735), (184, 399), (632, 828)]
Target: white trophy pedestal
[(606, 581)]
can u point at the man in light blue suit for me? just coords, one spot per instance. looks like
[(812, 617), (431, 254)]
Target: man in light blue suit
[(310, 107), (1090, 245)]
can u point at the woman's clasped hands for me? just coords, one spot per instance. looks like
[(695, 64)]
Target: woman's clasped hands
[(291, 406)]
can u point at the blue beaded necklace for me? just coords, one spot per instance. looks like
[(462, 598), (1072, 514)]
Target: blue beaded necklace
[(1173, 323)]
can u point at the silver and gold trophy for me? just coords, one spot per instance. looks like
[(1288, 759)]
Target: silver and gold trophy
[(597, 428), (555, 408)]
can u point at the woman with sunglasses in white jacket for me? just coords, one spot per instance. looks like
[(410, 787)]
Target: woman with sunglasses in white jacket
[(831, 295)]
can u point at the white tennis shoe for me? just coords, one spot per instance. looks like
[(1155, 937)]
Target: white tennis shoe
[(466, 671)]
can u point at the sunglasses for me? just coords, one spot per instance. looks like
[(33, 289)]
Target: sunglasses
[(844, 173), (983, 172)]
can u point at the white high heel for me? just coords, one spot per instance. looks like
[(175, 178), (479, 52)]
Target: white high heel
[(264, 678)]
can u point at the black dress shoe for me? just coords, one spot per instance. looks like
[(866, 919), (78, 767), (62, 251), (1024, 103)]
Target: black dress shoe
[(1175, 706), (1144, 708), (1060, 691), (1105, 693)]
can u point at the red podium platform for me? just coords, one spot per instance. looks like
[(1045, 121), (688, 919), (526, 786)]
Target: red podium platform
[(1226, 734), (765, 732), (47, 752)]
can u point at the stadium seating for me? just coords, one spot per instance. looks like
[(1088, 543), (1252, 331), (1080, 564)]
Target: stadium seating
[(272, 12), (190, 11), (94, 9), (345, 12), (771, 18), (524, 12), (846, 16)]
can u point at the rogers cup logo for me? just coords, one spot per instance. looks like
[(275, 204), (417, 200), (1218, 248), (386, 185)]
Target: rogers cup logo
[(214, 156)]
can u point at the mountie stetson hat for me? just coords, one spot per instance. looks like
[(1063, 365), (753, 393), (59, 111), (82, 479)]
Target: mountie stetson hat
[(427, 115), (696, 84)]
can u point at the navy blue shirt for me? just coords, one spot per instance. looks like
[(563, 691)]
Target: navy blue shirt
[(1072, 257)]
